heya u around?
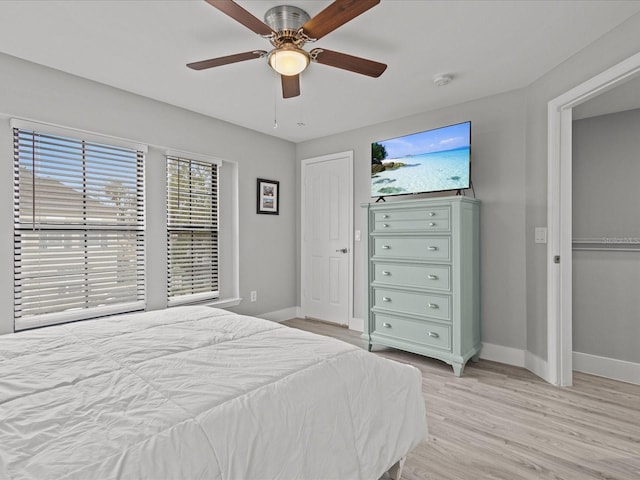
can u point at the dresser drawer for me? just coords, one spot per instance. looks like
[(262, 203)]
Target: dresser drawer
[(423, 248), (436, 277), (436, 306), (435, 220), (437, 213), (416, 331)]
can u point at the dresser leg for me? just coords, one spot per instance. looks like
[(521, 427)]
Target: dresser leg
[(457, 369), (369, 346)]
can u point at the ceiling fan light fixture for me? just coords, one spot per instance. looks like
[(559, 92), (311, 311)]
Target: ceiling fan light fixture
[(288, 60)]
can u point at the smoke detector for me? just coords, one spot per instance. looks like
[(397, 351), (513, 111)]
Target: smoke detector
[(442, 79)]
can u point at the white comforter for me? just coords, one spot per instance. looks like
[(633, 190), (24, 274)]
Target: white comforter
[(200, 393)]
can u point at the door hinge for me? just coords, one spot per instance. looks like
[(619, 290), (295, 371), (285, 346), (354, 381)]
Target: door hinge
[(556, 259)]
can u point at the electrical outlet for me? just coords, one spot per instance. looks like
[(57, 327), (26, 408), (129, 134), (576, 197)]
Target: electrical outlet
[(254, 295)]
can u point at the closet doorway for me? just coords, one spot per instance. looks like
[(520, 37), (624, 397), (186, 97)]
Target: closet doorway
[(606, 235), (560, 247)]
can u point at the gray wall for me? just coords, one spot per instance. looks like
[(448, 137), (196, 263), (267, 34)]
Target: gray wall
[(267, 242), (498, 169), (606, 170)]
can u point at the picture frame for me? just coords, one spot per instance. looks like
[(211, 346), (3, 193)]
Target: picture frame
[(268, 196)]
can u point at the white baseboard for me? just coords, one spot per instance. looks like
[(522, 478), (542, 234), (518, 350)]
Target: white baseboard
[(280, 315), (582, 362), (499, 353), (516, 357), (607, 367), (356, 324), (496, 353), (537, 366)]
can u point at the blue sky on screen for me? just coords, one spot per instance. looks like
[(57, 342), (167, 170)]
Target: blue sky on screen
[(440, 139)]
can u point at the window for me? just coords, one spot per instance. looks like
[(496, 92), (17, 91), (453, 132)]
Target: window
[(192, 230), (78, 228)]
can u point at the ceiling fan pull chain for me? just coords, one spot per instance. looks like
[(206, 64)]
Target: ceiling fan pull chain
[(275, 100)]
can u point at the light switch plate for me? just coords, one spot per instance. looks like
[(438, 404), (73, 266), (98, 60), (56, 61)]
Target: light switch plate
[(541, 235)]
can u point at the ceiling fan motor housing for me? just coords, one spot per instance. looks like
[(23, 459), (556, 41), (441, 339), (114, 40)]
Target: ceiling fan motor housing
[(286, 17)]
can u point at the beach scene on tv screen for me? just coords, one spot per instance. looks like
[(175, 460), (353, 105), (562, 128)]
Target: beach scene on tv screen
[(429, 161)]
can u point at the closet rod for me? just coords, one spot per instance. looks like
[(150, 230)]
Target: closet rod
[(607, 244)]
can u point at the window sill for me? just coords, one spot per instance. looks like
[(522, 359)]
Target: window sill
[(225, 302), (215, 302)]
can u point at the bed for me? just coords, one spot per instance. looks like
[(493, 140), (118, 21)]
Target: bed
[(200, 393)]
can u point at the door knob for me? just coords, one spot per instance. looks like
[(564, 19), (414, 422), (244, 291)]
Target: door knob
[(342, 250)]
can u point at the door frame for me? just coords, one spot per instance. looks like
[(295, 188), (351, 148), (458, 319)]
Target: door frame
[(559, 215), (349, 172)]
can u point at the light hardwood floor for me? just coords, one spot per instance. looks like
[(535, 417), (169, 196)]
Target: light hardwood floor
[(503, 422)]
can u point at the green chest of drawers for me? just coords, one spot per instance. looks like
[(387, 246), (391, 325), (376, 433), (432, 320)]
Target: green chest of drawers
[(423, 274)]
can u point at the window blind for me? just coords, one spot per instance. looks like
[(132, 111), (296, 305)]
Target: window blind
[(78, 229), (192, 230)]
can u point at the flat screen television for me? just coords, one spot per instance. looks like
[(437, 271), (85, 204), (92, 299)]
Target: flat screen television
[(431, 161)]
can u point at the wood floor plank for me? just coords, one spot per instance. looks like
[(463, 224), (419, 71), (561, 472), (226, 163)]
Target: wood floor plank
[(502, 422)]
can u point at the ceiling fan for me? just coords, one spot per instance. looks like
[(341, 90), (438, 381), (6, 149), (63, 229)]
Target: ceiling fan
[(288, 28)]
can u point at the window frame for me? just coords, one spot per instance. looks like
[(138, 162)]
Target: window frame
[(213, 296), (138, 227)]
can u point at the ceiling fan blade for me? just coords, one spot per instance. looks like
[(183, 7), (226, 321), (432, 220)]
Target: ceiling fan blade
[(216, 62), (336, 15), (240, 15), (348, 62), (290, 86)]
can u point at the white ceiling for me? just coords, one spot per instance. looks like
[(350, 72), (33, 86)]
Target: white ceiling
[(142, 46)]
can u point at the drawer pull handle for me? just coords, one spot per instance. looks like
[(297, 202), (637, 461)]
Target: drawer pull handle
[(385, 225), (385, 216), (434, 306), (432, 224), (386, 325), (386, 274), (434, 335), (386, 247), (432, 249), (386, 299), (433, 277), (432, 214)]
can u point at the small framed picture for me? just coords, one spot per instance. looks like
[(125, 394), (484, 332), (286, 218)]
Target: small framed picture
[(268, 196)]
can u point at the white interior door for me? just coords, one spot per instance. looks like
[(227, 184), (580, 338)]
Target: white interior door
[(327, 211)]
